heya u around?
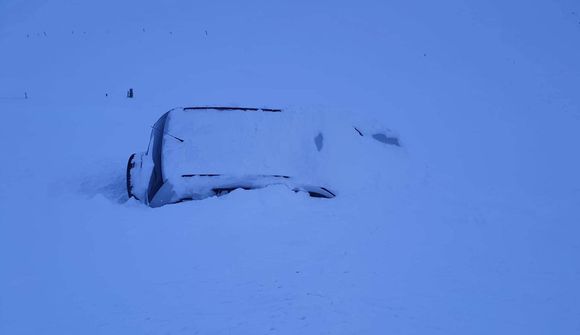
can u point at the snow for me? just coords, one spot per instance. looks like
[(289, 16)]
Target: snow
[(238, 143), (469, 227)]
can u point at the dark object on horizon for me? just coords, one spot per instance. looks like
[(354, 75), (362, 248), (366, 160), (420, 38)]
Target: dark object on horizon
[(130, 93), (25, 95)]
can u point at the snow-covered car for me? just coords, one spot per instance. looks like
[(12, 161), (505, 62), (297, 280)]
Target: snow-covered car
[(198, 152)]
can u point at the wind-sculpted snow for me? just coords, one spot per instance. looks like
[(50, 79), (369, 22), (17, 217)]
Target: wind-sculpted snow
[(469, 226)]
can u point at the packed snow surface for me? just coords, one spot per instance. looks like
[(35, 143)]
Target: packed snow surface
[(470, 226)]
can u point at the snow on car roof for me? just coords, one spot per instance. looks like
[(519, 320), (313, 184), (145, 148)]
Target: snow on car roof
[(238, 141)]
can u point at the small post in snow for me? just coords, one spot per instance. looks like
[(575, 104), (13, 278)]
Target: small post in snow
[(130, 93)]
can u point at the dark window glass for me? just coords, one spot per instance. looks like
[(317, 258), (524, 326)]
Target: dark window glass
[(156, 147)]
